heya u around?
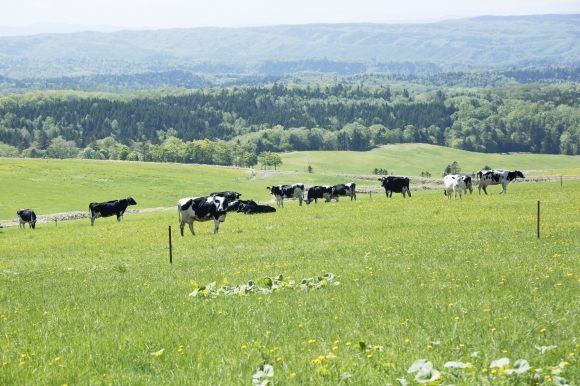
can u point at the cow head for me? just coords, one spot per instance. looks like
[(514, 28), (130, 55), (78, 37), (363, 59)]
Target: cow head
[(519, 174), (130, 201)]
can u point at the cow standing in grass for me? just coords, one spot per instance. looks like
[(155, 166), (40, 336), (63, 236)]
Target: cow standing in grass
[(395, 184), (453, 183), (201, 209), (287, 191), (497, 177), (316, 192), (109, 208), (26, 216), (348, 190)]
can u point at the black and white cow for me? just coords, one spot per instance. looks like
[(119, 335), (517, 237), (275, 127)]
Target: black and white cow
[(26, 216), (287, 191), (468, 184), (237, 204), (201, 209), (230, 196), (253, 209), (109, 208), (316, 192), (497, 177), (348, 190), (396, 185)]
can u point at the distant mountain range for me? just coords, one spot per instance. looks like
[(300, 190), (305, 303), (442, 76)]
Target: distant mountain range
[(487, 42)]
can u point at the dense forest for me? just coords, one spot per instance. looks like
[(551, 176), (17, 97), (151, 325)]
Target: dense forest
[(236, 124)]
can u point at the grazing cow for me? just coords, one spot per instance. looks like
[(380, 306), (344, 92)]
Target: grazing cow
[(348, 190), (109, 208), (468, 185), (316, 192), (253, 209), (395, 184), (287, 191), (497, 177), (230, 196), (26, 216), (235, 205), (453, 183), (201, 209)]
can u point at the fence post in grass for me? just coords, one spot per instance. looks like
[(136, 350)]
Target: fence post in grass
[(560, 181), (370, 195), (538, 218), (170, 248)]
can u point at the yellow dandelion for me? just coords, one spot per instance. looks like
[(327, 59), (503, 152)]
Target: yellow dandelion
[(293, 374), (312, 341), (483, 370), (456, 318), (429, 347), (543, 330)]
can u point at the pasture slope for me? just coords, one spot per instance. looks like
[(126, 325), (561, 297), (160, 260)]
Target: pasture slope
[(420, 278)]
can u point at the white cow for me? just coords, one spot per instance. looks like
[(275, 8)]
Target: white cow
[(497, 177), (452, 183)]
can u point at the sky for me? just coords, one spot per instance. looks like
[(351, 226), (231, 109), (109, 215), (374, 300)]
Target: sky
[(158, 14)]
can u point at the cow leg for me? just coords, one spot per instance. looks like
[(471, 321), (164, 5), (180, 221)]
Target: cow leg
[(191, 228), (92, 220), (485, 190), (119, 215), (216, 225), (300, 201)]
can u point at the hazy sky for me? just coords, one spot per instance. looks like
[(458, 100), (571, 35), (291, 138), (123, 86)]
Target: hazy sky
[(237, 13)]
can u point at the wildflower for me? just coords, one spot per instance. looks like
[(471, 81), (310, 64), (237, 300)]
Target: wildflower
[(407, 341), (312, 341), (456, 318), (483, 370), (429, 347), (293, 374), (543, 330), (244, 346)]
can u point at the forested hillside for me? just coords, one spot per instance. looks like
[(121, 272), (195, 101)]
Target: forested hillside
[(533, 118), (453, 45)]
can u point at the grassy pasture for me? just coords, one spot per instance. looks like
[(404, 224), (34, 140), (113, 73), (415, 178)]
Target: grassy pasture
[(419, 278), (412, 159)]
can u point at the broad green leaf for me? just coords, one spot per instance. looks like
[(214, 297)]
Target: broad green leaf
[(500, 363), (419, 365), (268, 282), (457, 365), (559, 381), (427, 375), (194, 283)]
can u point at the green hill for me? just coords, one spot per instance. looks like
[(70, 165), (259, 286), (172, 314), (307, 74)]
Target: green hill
[(412, 159)]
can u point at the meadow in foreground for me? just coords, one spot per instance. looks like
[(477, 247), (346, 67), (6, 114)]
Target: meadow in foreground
[(422, 278)]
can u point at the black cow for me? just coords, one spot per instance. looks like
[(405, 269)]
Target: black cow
[(395, 184), (287, 191), (109, 208), (26, 216), (316, 192), (348, 190), (237, 204), (201, 209), (230, 196), (253, 209)]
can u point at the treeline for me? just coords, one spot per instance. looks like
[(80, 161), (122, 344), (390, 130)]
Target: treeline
[(352, 73), (533, 118)]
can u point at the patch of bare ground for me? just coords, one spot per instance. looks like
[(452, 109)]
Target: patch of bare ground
[(55, 217)]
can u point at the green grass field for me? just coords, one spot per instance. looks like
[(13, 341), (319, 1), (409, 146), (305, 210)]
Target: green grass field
[(420, 278), (412, 159)]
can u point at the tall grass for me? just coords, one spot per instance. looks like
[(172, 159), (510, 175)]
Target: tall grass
[(464, 280)]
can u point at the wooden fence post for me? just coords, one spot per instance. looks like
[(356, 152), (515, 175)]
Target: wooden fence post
[(170, 247), (538, 218)]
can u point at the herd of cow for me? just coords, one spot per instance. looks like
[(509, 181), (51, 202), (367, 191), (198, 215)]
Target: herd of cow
[(216, 205)]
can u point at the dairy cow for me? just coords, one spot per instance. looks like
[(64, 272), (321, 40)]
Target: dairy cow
[(109, 208), (316, 192), (26, 216), (253, 209), (396, 185), (201, 209), (237, 204), (497, 177), (348, 190), (287, 191), (453, 183), (230, 196)]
